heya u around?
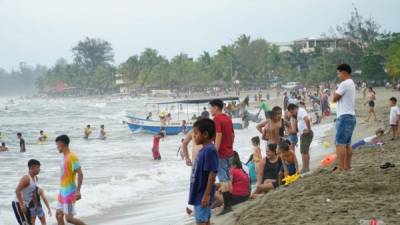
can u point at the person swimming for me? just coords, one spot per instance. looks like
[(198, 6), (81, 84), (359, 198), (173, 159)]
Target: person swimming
[(3, 147), (87, 132), (43, 136), (102, 132)]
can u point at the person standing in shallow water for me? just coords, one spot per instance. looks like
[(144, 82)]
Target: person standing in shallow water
[(22, 146), (70, 190), (346, 119)]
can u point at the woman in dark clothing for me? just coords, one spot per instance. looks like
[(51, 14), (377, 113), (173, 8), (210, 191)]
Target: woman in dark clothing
[(268, 172)]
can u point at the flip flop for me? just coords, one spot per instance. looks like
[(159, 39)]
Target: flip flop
[(387, 165)]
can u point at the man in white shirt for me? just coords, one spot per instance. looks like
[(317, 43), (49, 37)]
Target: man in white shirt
[(306, 134), (394, 117), (346, 119)]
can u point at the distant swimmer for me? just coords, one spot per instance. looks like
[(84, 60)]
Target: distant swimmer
[(3, 147), (87, 132), (21, 143), (102, 132), (43, 136)]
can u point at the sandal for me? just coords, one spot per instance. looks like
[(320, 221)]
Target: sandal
[(387, 165)]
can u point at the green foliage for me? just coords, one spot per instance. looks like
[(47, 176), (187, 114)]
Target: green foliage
[(255, 62)]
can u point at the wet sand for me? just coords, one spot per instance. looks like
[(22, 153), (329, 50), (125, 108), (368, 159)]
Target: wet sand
[(336, 198)]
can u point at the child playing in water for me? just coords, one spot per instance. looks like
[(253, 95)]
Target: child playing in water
[(204, 171), (87, 132), (42, 137), (35, 206), (3, 147), (290, 164), (102, 132), (156, 146)]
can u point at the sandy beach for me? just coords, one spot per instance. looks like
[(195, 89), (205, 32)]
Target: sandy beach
[(336, 198)]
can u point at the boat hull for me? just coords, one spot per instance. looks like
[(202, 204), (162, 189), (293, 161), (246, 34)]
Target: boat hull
[(173, 128)]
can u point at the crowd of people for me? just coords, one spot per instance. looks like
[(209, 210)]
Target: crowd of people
[(213, 154)]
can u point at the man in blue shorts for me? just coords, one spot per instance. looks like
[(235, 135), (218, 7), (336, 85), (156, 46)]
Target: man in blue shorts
[(346, 119)]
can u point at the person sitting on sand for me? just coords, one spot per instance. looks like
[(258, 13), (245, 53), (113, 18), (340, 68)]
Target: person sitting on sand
[(373, 141), (240, 183), (290, 164), (102, 132), (268, 172), (3, 147), (42, 137), (252, 171), (87, 132)]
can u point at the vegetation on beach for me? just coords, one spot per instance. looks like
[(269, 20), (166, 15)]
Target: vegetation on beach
[(375, 55)]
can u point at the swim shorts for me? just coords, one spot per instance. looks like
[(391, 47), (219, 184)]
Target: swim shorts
[(345, 125), (305, 142), (224, 166), (202, 215)]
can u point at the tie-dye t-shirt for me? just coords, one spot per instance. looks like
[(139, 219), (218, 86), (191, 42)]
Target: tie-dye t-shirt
[(67, 182)]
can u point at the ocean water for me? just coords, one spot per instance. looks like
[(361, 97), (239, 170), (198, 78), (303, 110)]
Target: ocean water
[(119, 172)]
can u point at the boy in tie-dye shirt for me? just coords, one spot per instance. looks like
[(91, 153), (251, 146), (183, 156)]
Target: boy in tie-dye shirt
[(69, 189)]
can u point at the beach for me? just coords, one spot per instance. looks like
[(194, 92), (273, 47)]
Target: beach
[(323, 197)]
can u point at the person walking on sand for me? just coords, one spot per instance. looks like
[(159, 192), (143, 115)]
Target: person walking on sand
[(22, 146), (371, 103), (70, 191), (224, 140), (346, 119), (306, 134)]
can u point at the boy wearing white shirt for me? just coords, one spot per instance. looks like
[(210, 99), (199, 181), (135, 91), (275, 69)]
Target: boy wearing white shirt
[(394, 117), (346, 119), (306, 134)]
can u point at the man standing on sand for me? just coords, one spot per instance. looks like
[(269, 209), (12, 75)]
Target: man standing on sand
[(22, 147), (69, 191), (224, 139), (346, 119), (306, 134)]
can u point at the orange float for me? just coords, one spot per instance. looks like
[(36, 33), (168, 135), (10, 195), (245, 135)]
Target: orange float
[(328, 160)]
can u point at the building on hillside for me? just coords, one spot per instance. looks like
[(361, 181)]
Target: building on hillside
[(309, 44), (121, 83)]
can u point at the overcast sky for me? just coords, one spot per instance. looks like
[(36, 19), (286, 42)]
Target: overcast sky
[(40, 31)]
